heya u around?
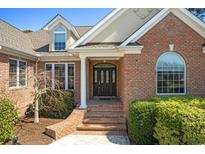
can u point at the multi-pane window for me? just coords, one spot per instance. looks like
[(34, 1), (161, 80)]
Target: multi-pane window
[(22, 73), (59, 38), (17, 73), (70, 76), (170, 74), (60, 76), (48, 75)]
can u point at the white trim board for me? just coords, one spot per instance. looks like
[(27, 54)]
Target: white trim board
[(183, 14)]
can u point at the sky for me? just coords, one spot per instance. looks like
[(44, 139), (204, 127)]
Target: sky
[(35, 19)]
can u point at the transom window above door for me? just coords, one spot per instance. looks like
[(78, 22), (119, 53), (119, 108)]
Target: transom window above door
[(170, 74), (59, 38), (60, 76)]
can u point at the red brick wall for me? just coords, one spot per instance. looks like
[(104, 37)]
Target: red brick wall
[(22, 96), (138, 71)]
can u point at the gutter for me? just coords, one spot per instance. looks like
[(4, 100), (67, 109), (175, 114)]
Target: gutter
[(108, 49), (17, 53)]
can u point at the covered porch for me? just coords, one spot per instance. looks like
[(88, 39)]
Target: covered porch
[(100, 81)]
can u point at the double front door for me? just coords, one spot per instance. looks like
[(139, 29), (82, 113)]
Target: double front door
[(104, 80)]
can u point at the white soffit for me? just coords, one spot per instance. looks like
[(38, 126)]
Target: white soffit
[(183, 14), (104, 22), (125, 25)]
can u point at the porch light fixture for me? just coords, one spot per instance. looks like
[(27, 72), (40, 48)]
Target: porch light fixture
[(203, 48)]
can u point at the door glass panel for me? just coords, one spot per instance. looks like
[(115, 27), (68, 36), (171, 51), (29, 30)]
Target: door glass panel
[(113, 76), (102, 76), (107, 76), (96, 76)]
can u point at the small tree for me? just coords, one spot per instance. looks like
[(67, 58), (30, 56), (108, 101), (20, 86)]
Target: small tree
[(39, 89)]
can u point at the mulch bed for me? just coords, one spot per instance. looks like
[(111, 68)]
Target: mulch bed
[(30, 133)]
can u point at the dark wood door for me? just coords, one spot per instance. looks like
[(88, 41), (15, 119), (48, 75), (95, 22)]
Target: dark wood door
[(104, 80)]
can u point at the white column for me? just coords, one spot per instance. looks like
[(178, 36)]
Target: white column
[(83, 104)]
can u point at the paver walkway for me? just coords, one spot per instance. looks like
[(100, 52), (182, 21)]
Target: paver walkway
[(92, 140)]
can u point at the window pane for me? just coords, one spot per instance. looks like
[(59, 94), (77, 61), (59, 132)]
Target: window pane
[(22, 73), (49, 75), (70, 76), (170, 74), (59, 76), (12, 73), (60, 41), (59, 37)]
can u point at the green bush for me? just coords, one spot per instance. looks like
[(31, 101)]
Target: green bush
[(179, 124), (167, 120), (56, 104), (141, 122), (8, 119)]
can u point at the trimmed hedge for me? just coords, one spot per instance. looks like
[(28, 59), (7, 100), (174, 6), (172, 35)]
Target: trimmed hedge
[(179, 124), (8, 119), (167, 120), (141, 122), (56, 104)]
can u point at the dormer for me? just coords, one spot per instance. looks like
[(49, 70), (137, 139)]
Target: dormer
[(62, 34)]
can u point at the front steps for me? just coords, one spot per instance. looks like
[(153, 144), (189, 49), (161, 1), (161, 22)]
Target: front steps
[(103, 119)]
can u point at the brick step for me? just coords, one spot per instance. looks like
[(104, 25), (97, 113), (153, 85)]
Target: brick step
[(91, 114), (102, 127), (104, 121), (106, 109), (81, 132), (105, 106)]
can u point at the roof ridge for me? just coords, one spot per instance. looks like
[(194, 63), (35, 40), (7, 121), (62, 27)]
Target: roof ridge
[(11, 25)]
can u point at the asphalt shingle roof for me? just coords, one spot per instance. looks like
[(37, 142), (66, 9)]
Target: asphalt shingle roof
[(40, 40), (82, 29), (14, 38)]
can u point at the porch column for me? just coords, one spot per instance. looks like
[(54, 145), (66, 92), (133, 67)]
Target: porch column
[(83, 104)]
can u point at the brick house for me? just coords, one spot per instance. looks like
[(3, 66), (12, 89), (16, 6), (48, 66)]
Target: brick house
[(129, 54)]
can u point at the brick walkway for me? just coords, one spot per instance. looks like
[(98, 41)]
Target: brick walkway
[(102, 123), (92, 140)]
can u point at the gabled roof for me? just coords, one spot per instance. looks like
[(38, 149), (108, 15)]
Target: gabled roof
[(185, 15), (60, 19)]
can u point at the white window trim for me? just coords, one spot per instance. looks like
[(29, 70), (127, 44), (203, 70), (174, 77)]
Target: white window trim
[(66, 74), (171, 94), (59, 32), (17, 74)]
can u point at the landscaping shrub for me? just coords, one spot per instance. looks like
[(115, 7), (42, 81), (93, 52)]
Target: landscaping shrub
[(179, 123), (56, 104), (8, 119), (141, 122), (167, 120)]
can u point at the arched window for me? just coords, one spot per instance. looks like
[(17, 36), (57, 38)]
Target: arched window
[(59, 38), (170, 69)]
